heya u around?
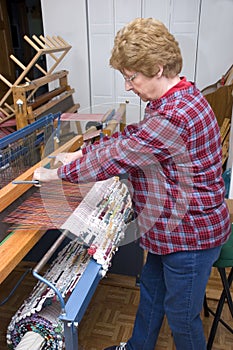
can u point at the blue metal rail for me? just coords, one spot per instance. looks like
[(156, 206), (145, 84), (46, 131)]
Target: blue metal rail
[(27, 130), (22, 149)]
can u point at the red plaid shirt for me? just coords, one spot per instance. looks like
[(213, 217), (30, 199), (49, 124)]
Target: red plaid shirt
[(173, 161)]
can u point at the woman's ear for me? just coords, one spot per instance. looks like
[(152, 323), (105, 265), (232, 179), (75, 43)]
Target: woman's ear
[(160, 72)]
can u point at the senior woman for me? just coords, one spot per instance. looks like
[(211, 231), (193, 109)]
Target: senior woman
[(173, 161)]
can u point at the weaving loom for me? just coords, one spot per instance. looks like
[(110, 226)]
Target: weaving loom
[(89, 252), (10, 253), (16, 151)]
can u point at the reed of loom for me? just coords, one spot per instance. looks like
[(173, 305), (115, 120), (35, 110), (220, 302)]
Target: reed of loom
[(18, 244)]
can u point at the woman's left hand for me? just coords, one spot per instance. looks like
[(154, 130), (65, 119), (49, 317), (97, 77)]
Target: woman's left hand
[(45, 175)]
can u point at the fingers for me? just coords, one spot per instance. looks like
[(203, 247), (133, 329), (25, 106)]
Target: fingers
[(37, 177), (67, 157), (37, 183), (60, 158), (45, 175)]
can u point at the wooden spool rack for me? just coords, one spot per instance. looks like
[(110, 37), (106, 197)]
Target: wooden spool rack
[(26, 108)]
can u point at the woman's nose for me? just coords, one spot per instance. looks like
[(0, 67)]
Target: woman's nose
[(128, 85)]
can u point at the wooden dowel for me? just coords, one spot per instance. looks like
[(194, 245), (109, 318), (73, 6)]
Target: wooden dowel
[(46, 41), (62, 40), (40, 100), (10, 108), (49, 46), (31, 43), (5, 97), (60, 43), (39, 41), (43, 46), (58, 61), (5, 113), (40, 69), (21, 65), (5, 80), (53, 42)]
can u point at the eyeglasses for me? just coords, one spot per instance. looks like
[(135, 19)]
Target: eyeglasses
[(130, 79)]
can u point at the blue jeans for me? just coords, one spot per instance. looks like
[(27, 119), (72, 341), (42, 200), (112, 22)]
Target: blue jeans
[(173, 285)]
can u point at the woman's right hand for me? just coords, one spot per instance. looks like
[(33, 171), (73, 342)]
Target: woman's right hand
[(67, 157)]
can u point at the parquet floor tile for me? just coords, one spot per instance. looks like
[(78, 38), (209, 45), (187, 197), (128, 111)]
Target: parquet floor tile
[(110, 315)]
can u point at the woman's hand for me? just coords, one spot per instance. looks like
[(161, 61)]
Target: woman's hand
[(45, 175), (67, 157)]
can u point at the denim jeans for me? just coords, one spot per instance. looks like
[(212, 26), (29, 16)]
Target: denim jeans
[(173, 285)]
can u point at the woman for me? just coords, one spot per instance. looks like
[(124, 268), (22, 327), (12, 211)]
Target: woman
[(173, 161)]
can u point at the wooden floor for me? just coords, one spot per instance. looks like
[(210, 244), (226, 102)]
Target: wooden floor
[(110, 316)]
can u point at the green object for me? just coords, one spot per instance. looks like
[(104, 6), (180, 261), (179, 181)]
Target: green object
[(226, 255)]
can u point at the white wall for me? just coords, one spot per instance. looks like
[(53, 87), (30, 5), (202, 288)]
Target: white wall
[(215, 47), (68, 19)]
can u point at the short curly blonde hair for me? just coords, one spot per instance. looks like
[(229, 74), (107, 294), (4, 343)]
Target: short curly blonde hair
[(144, 45)]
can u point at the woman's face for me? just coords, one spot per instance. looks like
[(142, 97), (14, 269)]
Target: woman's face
[(146, 88)]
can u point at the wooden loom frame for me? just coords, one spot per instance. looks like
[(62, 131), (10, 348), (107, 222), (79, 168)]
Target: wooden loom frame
[(11, 252)]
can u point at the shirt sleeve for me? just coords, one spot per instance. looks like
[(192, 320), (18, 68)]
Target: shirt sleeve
[(152, 141)]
